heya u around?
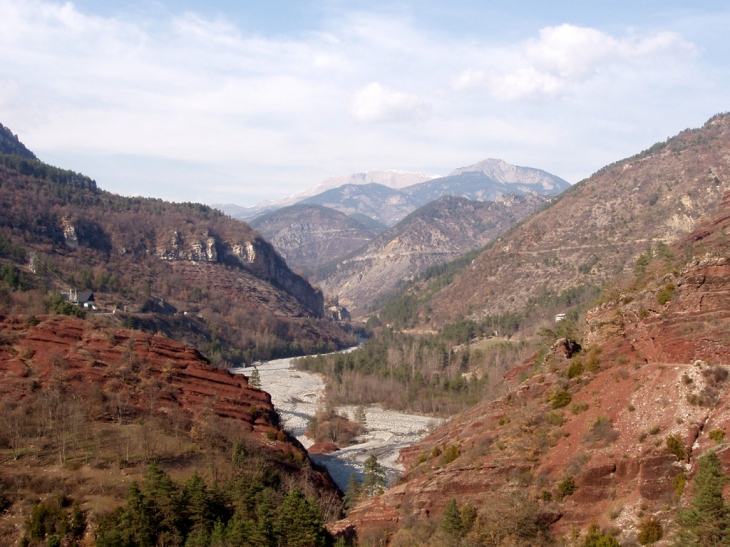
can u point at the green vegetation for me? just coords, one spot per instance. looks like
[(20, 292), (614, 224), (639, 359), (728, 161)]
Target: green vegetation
[(650, 531), (250, 510), (665, 295), (13, 278), (56, 304), (707, 520), (53, 523), (8, 249), (373, 482), (560, 398), (717, 435), (675, 446), (425, 374), (596, 538), (567, 486)]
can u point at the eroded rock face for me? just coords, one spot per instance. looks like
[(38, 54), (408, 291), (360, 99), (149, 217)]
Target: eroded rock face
[(194, 248), (255, 254), (89, 358)]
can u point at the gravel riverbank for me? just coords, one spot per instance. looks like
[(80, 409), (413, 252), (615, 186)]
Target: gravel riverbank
[(297, 395)]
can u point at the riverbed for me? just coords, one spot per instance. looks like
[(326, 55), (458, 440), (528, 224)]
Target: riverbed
[(297, 395)]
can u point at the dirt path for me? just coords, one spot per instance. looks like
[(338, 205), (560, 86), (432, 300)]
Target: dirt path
[(296, 396)]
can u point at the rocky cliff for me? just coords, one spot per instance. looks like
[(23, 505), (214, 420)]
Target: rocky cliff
[(610, 434), (307, 236), (438, 232)]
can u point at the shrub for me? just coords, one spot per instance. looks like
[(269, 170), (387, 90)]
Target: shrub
[(567, 486), (679, 482), (601, 431), (675, 446), (717, 435), (546, 496), (451, 452), (650, 531), (577, 408), (593, 363), (596, 538), (560, 399), (555, 418), (575, 368), (665, 295)]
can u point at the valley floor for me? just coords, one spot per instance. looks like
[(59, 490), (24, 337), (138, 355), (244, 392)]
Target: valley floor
[(297, 395)]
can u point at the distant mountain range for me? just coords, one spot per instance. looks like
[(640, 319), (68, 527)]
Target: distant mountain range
[(391, 179), (389, 196)]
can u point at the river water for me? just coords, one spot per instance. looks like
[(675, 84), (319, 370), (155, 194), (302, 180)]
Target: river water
[(297, 395)]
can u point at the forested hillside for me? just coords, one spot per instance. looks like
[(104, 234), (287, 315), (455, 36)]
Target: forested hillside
[(182, 269)]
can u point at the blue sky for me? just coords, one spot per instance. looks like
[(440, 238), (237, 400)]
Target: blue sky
[(235, 102)]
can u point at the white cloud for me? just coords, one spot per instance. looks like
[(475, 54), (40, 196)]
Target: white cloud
[(278, 114), (379, 104), (566, 56)]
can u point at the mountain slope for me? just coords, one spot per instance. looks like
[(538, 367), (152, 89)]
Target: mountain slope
[(608, 435), (308, 235), (233, 294), (440, 231), (376, 201), (597, 228)]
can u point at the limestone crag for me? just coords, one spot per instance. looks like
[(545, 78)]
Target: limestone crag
[(254, 254)]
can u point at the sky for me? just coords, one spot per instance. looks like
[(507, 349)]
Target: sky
[(241, 101)]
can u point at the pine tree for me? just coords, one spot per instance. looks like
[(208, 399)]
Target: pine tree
[(451, 523), (352, 492), (197, 501), (255, 379), (374, 477), (707, 521), (300, 524), (360, 416), (165, 501)]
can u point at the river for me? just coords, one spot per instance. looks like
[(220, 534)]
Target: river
[(297, 395)]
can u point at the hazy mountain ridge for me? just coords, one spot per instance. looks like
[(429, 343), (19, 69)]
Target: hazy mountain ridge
[(388, 196), (308, 235), (437, 232), (390, 179)]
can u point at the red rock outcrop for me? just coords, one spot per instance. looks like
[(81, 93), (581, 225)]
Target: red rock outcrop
[(651, 372), (151, 372)]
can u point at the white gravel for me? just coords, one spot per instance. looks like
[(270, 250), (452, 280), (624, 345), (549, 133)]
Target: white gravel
[(297, 395)]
